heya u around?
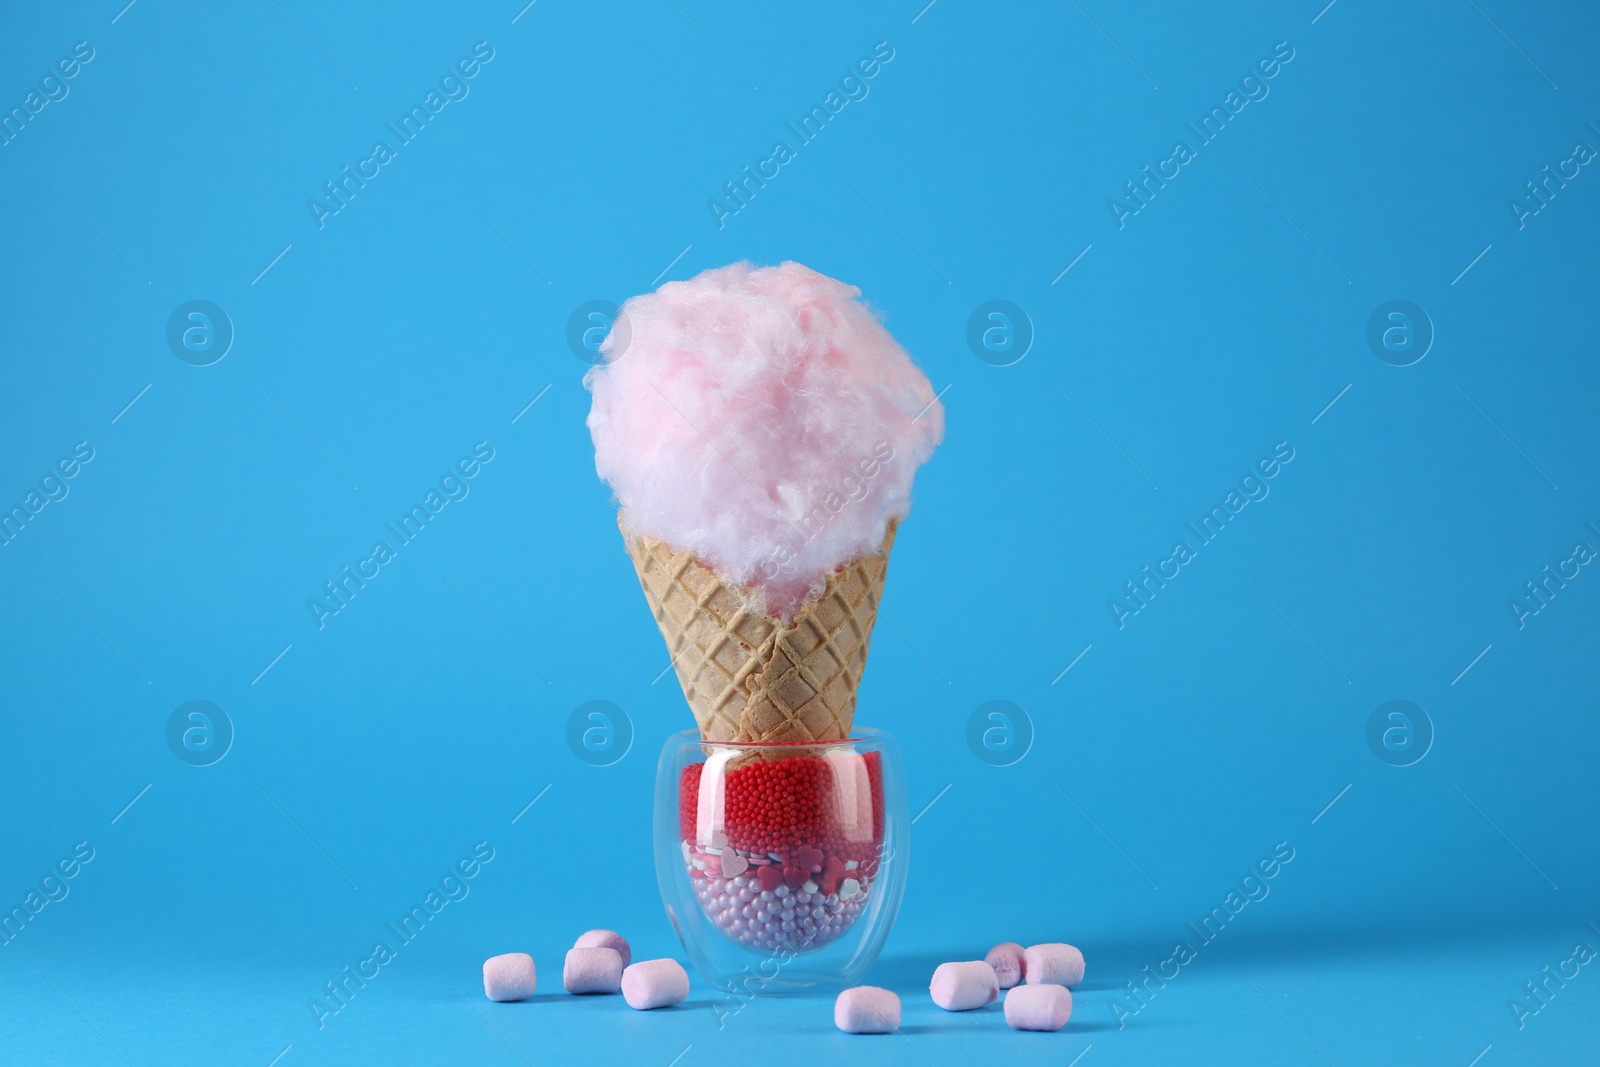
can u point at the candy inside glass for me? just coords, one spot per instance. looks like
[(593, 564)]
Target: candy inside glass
[(781, 866)]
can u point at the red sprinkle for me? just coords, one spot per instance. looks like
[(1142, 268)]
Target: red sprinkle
[(792, 807)]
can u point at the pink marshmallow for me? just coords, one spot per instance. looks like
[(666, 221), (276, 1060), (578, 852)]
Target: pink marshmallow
[(509, 977), (606, 939), (867, 1010), (1038, 1007), (1053, 964), (592, 970), (964, 986), (1007, 960), (655, 984)]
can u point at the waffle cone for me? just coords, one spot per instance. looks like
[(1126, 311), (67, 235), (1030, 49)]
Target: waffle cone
[(751, 677)]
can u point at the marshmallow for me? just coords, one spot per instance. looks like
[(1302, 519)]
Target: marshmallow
[(509, 977), (592, 970), (606, 939), (1007, 961), (1053, 964), (867, 1010), (655, 984), (1038, 1007), (964, 986)]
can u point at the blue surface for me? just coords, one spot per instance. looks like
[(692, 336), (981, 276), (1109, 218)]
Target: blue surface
[(1228, 314)]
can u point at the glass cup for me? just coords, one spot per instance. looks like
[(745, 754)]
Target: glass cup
[(781, 866)]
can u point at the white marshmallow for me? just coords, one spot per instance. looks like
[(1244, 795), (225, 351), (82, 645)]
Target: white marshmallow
[(592, 970), (606, 939), (1053, 964), (1007, 960), (511, 976), (964, 986), (867, 1010), (655, 984), (1038, 1007)]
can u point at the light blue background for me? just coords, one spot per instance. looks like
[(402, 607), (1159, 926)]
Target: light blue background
[(1223, 719)]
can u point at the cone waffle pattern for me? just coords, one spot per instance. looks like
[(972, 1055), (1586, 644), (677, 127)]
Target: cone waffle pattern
[(751, 677)]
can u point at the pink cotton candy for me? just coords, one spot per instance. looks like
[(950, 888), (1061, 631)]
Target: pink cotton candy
[(763, 419)]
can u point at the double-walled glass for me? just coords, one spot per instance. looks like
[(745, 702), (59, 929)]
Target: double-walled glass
[(781, 866)]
